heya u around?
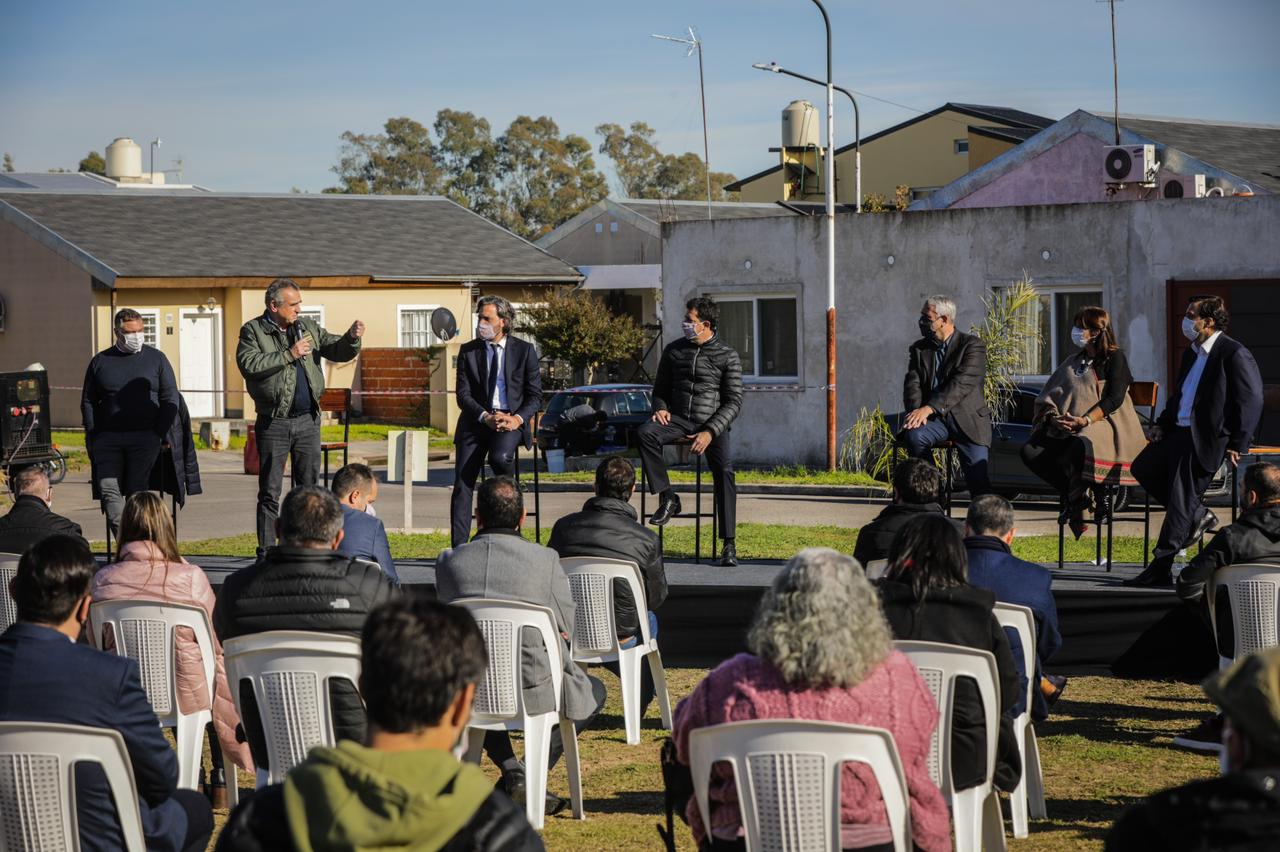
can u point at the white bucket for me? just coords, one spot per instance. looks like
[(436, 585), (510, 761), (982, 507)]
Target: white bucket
[(555, 461)]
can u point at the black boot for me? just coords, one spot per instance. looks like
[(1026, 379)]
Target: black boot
[(728, 554), (1157, 575), (668, 508)]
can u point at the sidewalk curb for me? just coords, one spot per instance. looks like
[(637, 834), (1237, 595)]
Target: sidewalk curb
[(865, 491)]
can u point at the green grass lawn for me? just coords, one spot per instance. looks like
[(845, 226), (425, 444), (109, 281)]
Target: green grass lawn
[(785, 475), (1106, 746)]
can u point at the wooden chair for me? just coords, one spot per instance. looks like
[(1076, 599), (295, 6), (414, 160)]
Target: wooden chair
[(336, 401)]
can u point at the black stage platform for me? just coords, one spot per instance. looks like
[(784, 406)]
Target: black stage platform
[(708, 608)]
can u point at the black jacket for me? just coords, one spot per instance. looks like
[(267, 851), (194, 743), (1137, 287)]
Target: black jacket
[(29, 521), (177, 470), (700, 382), (524, 383), (874, 539), (1228, 403), (295, 588), (959, 393), (1254, 537), (607, 527), (258, 824), (963, 616), (1240, 812)]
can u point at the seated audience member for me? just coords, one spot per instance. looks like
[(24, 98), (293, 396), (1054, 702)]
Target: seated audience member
[(363, 535), (149, 568), (1239, 810), (1254, 537), (988, 533), (821, 651), (402, 788), (607, 527), (48, 677), (31, 519), (499, 563), (926, 597), (917, 487), (303, 584)]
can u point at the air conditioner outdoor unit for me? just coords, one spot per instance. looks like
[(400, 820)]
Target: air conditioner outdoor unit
[(1184, 186), (1131, 164)]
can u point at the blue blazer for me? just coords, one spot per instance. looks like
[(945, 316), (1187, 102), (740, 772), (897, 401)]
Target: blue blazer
[(44, 677), (365, 537), (993, 567), (524, 383)]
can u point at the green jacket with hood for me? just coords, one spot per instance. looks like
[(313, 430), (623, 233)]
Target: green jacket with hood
[(267, 365)]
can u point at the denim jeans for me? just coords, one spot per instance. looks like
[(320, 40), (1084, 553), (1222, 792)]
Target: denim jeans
[(280, 439)]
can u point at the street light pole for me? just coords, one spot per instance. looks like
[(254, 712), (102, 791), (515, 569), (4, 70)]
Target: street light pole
[(831, 251), (857, 120)]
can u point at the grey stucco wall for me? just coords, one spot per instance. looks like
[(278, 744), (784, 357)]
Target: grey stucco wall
[(1130, 249)]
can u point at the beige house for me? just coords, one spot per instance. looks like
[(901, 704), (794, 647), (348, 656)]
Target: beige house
[(195, 266), (923, 153)]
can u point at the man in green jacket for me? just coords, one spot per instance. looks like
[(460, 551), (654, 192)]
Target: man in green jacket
[(402, 788), (279, 357)]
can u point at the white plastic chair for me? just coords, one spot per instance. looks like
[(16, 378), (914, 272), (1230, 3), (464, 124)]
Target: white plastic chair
[(499, 701), (8, 609), (1254, 594), (290, 671), (787, 774), (37, 784), (595, 634), (975, 812), (1026, 802), (144, 632), (875, 568)]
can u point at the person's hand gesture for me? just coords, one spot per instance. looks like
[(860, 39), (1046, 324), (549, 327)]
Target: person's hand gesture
[(701, 441), (918, 418), (662, 416), (357, 330), (302, 348)]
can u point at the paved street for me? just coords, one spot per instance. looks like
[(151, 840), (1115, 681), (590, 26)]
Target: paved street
[(227, 505)]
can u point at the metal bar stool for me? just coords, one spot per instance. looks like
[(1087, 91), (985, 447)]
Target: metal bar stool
[(537, 487), (948, 481), (697, 514), (1104, 509)]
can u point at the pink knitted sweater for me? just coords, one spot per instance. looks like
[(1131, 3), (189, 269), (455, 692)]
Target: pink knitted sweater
[(892, 697)]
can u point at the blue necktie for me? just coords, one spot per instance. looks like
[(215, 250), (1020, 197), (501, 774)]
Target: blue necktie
[(939, 355), (493, 373)]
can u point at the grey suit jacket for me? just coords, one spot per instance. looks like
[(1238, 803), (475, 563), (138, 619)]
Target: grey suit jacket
[(500, 564)]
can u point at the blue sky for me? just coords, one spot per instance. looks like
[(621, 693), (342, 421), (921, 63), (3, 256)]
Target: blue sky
[(253, 96)]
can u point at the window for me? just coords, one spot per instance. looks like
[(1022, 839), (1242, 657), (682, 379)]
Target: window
[(522, 327), (415, 326), (315, 313), (150, 326), (763, 330), (918, 192), (1053, 315), (961, 146)]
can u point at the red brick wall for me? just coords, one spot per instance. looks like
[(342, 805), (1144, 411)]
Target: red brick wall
[(394, 370)]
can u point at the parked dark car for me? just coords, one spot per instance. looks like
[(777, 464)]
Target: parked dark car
[(615, 412), (1010, 477)]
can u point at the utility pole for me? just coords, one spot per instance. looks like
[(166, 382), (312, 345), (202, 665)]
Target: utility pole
[(1115, 68), (695, 43)]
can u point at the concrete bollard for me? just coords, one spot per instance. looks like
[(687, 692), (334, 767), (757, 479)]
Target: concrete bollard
[(216, 434)]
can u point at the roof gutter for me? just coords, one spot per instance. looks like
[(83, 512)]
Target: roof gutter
[(58, 244), (486, 279)]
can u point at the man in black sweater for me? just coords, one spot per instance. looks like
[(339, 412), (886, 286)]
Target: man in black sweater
[(917, 486), (31, 520), (128, 401)]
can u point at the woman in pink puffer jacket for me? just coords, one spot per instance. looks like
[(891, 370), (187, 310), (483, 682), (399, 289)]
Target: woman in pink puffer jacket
[(149, 568)]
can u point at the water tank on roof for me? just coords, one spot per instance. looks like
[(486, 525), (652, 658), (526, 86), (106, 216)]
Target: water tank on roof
[(799, 125), (124, 159)]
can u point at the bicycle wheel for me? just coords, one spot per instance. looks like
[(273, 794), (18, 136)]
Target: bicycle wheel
[(56, 467)]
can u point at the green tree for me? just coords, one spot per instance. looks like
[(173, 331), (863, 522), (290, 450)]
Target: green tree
[(93, 163), (8, 162), (577, 327), (645, 172), (467, 155), (546, 178), (398, 161)]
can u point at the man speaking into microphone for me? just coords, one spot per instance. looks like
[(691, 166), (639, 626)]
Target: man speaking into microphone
[(696, 397)]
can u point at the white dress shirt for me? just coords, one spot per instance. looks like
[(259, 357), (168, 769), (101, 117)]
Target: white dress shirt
[(1192, 381), (499, 401)]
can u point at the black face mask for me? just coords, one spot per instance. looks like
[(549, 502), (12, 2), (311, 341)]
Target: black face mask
[(926, 329)]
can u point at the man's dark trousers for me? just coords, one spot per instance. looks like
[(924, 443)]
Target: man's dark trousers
[(472, 443), (973, 457), (280, 439), (653, 436), (1169, 472), (122, 461)]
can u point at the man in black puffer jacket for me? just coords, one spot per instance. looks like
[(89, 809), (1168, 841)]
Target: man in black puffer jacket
[(303, 584), (696, 397)]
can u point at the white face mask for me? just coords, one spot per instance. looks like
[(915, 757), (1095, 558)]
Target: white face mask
[(369, 510), (1189, 329), (130, 342), (485, 331), (690, 330), (1077, 337)]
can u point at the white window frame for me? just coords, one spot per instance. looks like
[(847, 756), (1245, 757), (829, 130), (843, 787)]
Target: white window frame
[(313, 309), (1051, 291), (754, 298), (431, 335), (524, 334), (956, 146), (152, 314)]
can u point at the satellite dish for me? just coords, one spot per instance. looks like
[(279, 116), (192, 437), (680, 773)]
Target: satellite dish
[(443, 324)]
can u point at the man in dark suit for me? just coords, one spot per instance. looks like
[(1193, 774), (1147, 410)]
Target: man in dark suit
[(917, 486), (499, 390), (31, 519), (988, 535), (363, 535), (942, 393), (1212, 412), (50, 678)]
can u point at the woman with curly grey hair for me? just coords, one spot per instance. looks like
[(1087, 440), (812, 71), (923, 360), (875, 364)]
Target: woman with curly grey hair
[(821, 651)]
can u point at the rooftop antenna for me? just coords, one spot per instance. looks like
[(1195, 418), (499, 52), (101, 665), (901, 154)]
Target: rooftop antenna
[(155, 143), (695, 43), (1115, 67)]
